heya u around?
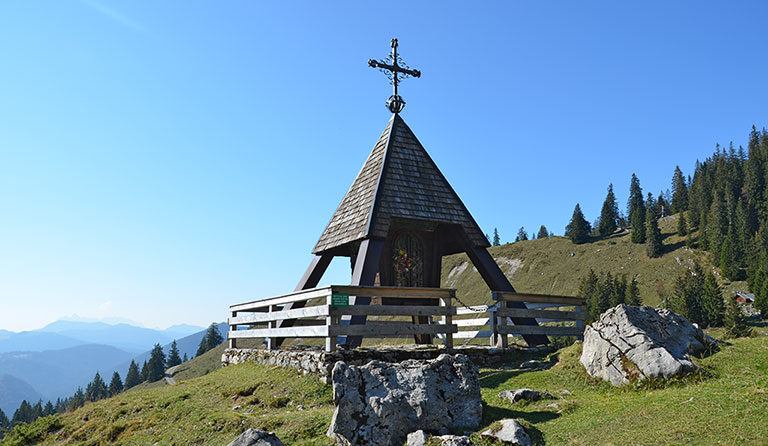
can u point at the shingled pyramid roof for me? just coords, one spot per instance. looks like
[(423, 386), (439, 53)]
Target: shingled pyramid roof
[(398, 180)]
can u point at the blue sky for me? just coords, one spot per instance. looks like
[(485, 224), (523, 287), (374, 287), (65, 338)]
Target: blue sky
[(161, 160)]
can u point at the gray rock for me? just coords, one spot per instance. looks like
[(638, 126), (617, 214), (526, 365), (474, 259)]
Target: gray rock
[(418, 438), (454, 440), (522, 394), (255, 437), (634, 343), (510, 432), (380, 403)]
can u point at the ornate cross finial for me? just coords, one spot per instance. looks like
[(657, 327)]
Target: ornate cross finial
[(396, 70)]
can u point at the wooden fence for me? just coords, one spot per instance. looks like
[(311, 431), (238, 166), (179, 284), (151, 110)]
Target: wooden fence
[(574, 311), (325, 311)]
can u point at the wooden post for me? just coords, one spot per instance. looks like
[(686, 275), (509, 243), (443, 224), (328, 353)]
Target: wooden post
[(492, 322), (271, 345), (330, 321), (580, 323), (502, 340), (233, 341), (447, 320)]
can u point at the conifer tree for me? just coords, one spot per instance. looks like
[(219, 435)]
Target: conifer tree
[(24, 414), (173, 355), (48, 409), (633, 294), (496, 239), (588, 289), (96, 389), (682, 225), (144, 372), (578, 229), (132, 378), (727, 258), (5, 423), (521, 235), (712, 305), (653, 241), (679, 192), (609, 215), (687, 298), (543, 233), (116, 385), (156, 364), (78, 400), (185, 359), (637, 222), (735, 321)]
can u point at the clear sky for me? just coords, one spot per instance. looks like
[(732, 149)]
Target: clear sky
[(162, 160)]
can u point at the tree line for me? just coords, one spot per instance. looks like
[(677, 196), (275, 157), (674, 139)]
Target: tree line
[(152, 370), (522, 235)]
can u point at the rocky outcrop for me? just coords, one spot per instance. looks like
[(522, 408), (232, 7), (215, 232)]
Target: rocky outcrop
[(420, 438), (509, 432), (381, 403), (634, 343), (255, 437)]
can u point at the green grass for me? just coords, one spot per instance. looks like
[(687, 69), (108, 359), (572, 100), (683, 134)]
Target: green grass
[(211, 410), (555, 265), (724, 405)]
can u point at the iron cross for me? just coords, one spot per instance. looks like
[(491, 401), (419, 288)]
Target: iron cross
[(396, 70)]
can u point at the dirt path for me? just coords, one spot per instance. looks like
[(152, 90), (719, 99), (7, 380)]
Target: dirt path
[(169, 375)]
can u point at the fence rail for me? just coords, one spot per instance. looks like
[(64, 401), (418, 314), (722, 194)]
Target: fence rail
[(325, 313)]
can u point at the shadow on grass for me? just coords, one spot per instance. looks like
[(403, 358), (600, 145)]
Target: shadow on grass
[(490, 379), (492, 414)]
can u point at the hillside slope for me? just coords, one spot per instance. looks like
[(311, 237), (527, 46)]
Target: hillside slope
[(555, 265)]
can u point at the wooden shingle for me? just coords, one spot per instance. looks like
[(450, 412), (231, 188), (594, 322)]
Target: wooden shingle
[(398, 180)]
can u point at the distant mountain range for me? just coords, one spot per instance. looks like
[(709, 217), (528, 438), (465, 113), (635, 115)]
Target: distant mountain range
[(53, 361)]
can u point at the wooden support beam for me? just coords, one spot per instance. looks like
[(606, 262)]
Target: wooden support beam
[(364, 274), (496, 280), (310, 279)]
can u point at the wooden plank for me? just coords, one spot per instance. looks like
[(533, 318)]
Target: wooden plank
[(541, 330), (255, 318), (539, 298), (472, 322), (304, 295), (474, 310), (472, 334), (393, 310), (288, 332), (390, 330), (399, 292), (542, 314)]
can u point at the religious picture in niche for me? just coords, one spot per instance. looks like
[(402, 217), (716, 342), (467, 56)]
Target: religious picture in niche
[(408, 261)]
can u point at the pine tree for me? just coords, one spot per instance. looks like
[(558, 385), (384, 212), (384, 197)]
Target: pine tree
[(609, 215), (496, 239), (588, 289), (735, 321), (727, 258), (679, 192), (636, 211), (687, 299), (653, 241), (156, 364), (173, 355), (48, 409), (132, 378), (578, 229), (682, 226), (24, 414), (637, 222), (213, 336), (543, 233), (116, 385), (633, 294), (77, 401), (144, 372), (185, 359), (5, 423), (521, 235), (712, 305), (96, 389)]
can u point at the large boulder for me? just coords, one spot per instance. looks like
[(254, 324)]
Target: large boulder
[(380, 403), (634, 343), (255, 437)]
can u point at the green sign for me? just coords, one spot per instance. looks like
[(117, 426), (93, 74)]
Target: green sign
[(339, 300)]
